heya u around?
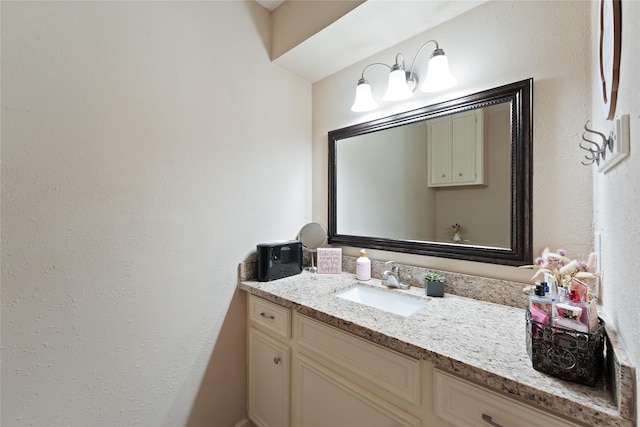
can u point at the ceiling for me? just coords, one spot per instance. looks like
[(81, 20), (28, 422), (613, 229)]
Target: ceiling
[(373, 26), (270, 4)]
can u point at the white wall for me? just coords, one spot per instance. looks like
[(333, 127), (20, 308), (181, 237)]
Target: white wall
[(147, 147), (497, 43), (616, 201)]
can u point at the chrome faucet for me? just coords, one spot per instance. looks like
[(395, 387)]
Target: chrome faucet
[(391, 278)]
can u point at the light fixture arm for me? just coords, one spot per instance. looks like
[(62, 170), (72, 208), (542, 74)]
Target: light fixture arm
[(371, 65), (418, 53), (399, 57)]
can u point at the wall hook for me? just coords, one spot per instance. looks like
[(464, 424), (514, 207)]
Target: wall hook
[(596, 151)]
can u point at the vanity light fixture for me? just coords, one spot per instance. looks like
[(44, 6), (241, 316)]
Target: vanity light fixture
[(403, 83)]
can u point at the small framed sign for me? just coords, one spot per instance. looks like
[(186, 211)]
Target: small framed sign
[(330, 260)]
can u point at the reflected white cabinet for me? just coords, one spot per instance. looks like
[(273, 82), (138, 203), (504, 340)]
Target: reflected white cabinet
[(455, 147)]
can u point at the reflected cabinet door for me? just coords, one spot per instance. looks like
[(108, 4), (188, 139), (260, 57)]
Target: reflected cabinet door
[(439, 151)]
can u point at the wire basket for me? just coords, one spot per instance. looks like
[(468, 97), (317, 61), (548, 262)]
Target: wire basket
[(565, 353)]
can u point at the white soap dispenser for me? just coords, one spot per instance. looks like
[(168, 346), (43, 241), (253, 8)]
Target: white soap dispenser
[(363, 266)]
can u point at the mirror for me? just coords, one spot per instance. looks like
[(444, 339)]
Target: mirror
[(448, 180), (312, 236)]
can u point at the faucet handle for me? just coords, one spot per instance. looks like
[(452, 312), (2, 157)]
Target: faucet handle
[(394, 266), (391, 278)]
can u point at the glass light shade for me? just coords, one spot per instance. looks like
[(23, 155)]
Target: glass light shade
[(438, 75), (397, 89), (364, 98)]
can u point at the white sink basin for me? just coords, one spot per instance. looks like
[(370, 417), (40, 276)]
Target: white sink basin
[(403, 305)]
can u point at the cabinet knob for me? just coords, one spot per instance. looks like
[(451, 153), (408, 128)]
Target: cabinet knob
[(276, 360), (487, 419), (443, 175), (460, 174), (268, 316)]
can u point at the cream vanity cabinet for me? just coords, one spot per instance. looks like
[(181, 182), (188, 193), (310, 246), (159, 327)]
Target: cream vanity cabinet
[(315, 375), (305, 373), (466, 404), (455, 147)]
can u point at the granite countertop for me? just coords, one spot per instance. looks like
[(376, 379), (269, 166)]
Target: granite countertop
[(482, 341)]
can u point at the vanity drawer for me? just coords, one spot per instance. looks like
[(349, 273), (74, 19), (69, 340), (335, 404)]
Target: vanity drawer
[(466, 404), (383, 371), (272, 317)]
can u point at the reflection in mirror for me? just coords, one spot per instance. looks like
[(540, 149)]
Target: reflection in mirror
[(446, 180), (408, 183)]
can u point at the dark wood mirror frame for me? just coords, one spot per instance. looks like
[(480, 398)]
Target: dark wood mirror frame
[(519, 95)]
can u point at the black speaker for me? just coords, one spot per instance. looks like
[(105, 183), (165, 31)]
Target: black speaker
[(278, 260)]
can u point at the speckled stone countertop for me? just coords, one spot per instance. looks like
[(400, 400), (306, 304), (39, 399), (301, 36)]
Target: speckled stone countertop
[(480, 340)]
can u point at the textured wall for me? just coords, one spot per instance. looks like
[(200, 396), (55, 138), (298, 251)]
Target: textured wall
[(616, 195), (497, 43), (146, 148)]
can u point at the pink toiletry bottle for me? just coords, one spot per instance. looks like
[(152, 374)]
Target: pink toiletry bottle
[(575, 301), (363, 266)]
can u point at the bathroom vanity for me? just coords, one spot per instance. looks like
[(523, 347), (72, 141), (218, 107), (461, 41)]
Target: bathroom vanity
[(316, 359)]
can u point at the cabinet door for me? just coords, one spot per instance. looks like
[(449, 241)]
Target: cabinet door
[(269, 380), (322, 398), (463, 148), (439, 151)]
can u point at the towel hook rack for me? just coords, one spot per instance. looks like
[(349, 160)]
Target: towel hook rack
[(597, 151)]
